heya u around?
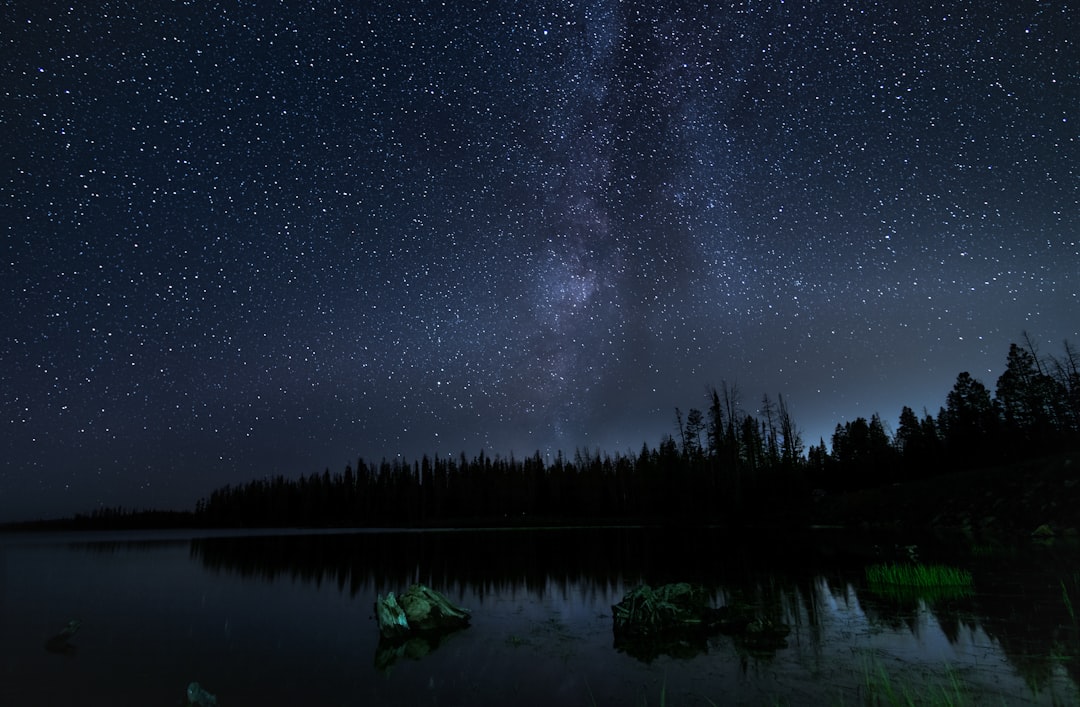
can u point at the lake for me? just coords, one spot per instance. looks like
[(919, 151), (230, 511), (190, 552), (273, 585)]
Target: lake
[(285, 618)]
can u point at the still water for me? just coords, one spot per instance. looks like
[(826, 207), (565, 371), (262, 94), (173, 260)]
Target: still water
[(286, 619)]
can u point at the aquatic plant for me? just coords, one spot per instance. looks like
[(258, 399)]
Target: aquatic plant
[(918, 581), (1068, 602), (663, 693), (917, 575), (880, 689), (1067, 646), (646, 611)]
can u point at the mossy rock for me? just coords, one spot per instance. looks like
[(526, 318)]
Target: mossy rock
[(419, 610), (1043, 531)]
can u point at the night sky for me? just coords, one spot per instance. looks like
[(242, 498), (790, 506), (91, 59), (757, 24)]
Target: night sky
[(261, 238)]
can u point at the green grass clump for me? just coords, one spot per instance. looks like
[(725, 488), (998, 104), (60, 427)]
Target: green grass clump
[(919, 581), (928, 576), (1065, 596)]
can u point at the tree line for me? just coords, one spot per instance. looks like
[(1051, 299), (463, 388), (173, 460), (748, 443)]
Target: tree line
[(723, 460), (1033, 412), (723, 464)]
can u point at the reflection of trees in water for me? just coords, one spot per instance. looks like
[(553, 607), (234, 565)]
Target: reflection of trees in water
[(1018, 604), (1026, 618), (786, 581), (1027, 612), (115, 547), (486, 561)]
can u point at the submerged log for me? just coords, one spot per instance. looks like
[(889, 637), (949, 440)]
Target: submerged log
[(419, 610)]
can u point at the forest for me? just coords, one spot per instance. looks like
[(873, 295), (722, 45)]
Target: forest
[(722, 464)]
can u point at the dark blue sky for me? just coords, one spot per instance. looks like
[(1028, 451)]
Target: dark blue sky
[(268, 238)]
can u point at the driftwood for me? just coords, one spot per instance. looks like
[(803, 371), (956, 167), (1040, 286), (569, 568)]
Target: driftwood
[(419, 610)]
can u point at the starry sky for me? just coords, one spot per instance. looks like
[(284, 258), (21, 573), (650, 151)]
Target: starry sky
[(256, 238)]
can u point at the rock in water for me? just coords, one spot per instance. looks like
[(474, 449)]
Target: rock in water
[(391, 617), (59, 642), (70, 630), (1042, 532), (419, 610), (428, 610), (196, 695)]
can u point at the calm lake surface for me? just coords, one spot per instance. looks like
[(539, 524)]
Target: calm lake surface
[(279, 618)]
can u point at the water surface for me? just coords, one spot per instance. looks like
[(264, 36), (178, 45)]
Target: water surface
[(286, 619)]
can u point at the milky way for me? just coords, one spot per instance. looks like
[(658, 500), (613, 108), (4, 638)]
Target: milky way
[(269, 238)]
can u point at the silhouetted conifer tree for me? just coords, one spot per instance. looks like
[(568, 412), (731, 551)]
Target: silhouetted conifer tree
[(969, 422)]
